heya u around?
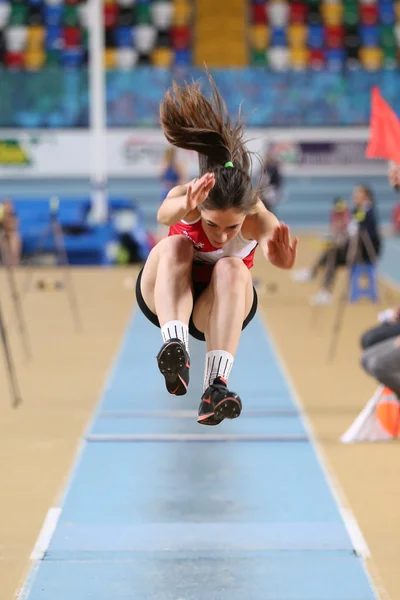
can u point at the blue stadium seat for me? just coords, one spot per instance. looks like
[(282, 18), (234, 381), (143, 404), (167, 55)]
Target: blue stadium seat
[(53, 15), (72, 57), (316, 36), (278, 36), (54, 36), (369, 35), (386, 12), (123, 37), (335, 58), (183, 58)]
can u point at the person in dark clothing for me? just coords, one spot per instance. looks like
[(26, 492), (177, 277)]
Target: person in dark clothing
[(388, 327), (380, 356), (366, 222), (381, 344), (381, 361), (363, 243)]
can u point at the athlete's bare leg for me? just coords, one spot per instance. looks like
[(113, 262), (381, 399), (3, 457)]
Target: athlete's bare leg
[(219, 313), (221, 309), (166, 283)]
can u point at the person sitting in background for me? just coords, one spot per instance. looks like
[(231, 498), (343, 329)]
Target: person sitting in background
[(363, 243), (381, 344), (382, 361), (389, 327), (339, 220), (11, 237), (360, 244)]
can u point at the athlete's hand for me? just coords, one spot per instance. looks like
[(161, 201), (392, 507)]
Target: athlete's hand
[(281, 251), (197, 192)]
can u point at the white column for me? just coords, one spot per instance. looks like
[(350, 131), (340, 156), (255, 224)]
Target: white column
[(97, 111)]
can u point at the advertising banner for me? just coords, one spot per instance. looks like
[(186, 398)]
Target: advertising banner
[(139, 153)]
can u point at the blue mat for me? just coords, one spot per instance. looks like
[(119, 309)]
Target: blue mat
[(186, 519)]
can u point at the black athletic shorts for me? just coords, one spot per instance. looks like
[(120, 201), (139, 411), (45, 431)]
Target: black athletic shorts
[(198, 288)]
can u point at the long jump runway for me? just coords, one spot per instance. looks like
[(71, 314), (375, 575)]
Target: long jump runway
[(161, 508)]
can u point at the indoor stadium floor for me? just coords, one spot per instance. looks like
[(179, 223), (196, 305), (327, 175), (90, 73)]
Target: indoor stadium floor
[(268, 507)]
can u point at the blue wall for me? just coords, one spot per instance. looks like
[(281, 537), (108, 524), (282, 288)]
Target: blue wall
[(306, 201), (56, 98)]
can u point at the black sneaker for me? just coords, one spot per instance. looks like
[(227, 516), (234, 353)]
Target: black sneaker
[(174, 363), (218, 403)]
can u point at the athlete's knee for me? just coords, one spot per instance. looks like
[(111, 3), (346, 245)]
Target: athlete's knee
[(177, 249), (230, 272)]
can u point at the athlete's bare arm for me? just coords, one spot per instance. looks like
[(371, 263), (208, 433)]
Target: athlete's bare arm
[(174, 207), (272, 236), (182, 201), (260, 225)]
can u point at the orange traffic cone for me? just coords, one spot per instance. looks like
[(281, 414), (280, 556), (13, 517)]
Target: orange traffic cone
[(378, 421), (388, 412)]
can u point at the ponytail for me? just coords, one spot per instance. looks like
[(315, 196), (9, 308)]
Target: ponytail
[(191, 121)]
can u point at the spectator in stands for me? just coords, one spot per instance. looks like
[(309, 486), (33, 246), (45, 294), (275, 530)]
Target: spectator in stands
[(271, 181), (9, 228)]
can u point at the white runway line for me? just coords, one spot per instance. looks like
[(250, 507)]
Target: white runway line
[(195, 437), (46, 533)]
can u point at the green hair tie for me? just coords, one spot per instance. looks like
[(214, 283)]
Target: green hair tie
[(229, 164)]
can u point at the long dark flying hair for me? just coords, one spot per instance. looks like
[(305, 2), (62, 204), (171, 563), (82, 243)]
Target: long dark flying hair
[(193, 122)]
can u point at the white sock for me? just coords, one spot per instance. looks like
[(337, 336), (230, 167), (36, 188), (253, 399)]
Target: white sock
[(176, 329), (218, 363)]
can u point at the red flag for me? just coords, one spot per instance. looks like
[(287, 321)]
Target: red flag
[(384, 141)]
